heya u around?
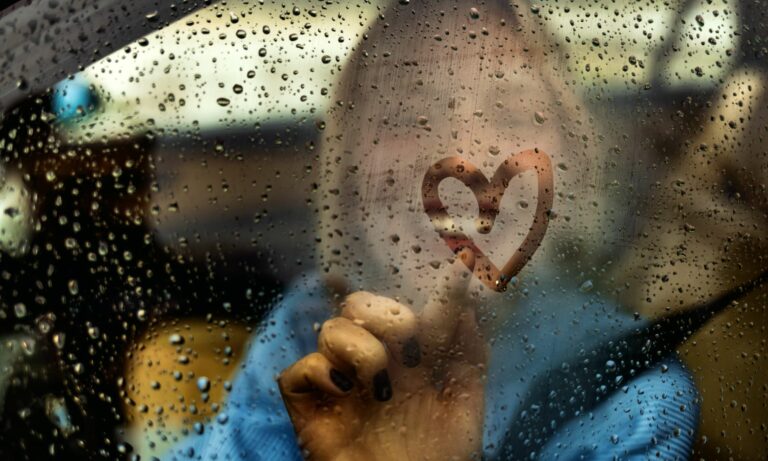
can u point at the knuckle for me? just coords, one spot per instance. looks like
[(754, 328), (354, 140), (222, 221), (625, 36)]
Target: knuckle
[(407, 318), (359, 296), (333, 324), (357, 299), (314, 362), (378, 361)]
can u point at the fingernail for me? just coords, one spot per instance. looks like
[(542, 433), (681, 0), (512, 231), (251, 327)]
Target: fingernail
[(382, 387), (340, 380), (411, 353)]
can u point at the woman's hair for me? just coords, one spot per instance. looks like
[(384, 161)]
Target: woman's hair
[(435, 51)]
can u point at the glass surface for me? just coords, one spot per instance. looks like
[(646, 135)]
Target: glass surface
[(168, 191)]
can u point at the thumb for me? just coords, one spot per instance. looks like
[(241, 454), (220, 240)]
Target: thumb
[(441, 314)]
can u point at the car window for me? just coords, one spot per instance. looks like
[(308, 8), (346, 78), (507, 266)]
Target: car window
[(175, 180)]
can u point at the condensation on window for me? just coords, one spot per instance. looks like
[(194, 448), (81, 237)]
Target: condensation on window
[(188, 193)]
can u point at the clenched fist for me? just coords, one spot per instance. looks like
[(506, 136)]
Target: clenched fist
[(389, 384)]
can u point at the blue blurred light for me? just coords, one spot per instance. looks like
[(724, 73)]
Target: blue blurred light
[(73, 98)]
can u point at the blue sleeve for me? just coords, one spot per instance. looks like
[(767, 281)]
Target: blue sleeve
[(253, 424), (653, 417)]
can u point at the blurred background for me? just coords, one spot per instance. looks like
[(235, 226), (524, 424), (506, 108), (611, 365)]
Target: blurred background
[(187, 158)]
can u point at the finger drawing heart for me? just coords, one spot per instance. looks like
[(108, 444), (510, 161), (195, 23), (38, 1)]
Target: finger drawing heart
[(488, 195)]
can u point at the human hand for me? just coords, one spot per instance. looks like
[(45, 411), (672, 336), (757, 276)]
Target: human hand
[(389, 384)]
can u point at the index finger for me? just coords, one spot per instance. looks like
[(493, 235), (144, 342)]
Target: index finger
[(442, 312), (393, 323)]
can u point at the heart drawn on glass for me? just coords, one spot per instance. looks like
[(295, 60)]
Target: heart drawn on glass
[(488, 195)]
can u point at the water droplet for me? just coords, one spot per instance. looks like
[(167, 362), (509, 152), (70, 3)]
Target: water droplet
[(28, 346), (203, 384), (59, 340), (237, 88), (73, 287), (539, 118), (20, 309), (223, 102), (93, 331), (241, 33), (473, 13), (124, 448), (586, 286), (45, 323), (176, 339)]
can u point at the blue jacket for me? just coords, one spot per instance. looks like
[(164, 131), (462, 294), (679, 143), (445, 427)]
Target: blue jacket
[(646, 414)]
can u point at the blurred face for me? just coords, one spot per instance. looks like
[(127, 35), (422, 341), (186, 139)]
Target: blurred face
[(484, 101)]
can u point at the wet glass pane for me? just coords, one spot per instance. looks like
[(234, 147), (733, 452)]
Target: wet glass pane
[(383, 230)]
